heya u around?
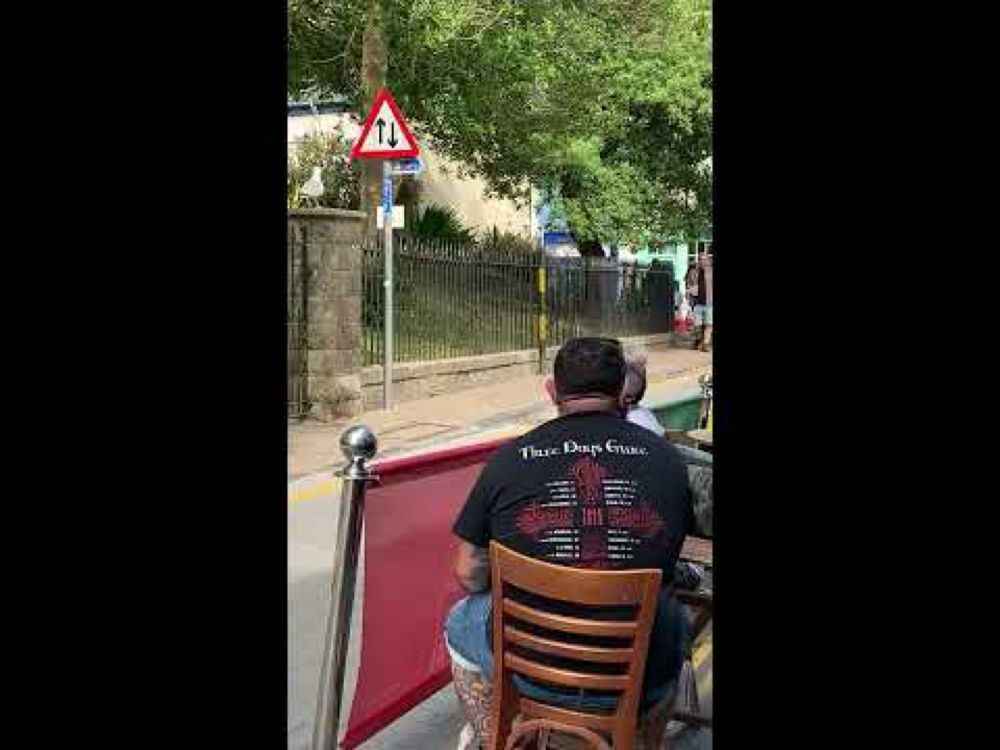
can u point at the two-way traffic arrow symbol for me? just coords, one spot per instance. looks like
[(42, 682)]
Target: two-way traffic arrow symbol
[(392, 139)]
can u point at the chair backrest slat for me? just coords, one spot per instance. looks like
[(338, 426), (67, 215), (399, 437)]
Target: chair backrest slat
[(567, 677), (568, 650), (611, 588), (600, 722), (566, 624)]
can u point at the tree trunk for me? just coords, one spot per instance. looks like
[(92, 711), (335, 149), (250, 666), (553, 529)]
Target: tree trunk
[(374, 59)]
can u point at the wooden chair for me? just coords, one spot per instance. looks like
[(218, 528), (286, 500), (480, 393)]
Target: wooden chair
[(516, 648)]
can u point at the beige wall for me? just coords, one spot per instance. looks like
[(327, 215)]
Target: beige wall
[(439, 183)]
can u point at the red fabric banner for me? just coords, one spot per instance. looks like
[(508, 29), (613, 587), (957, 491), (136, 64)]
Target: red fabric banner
[(409, 585)]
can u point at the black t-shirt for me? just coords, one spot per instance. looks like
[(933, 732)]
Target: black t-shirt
[(586, 490), (589, 490)]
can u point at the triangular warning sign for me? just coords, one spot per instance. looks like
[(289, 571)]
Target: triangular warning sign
[(384, 134)]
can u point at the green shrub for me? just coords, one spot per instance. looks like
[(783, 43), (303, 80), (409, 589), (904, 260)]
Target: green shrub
[(507, 242), (341, 178), (441, 223)]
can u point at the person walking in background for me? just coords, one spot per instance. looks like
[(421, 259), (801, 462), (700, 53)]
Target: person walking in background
[(699, 289)]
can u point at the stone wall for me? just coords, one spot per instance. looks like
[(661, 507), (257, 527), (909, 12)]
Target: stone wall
[(333, 238), (416, 380)]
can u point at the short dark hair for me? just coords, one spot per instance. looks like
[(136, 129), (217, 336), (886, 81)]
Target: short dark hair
[(590, 365)]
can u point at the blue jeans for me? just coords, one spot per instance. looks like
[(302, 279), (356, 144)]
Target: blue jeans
[(467, 631)]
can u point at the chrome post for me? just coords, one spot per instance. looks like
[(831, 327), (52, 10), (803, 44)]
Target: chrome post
[(358, 444)]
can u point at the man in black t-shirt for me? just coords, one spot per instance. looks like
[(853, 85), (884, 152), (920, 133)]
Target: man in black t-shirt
[(587, 489)]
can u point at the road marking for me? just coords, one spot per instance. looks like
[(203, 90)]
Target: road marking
[(701, 652), (704, 683), (312, 490)]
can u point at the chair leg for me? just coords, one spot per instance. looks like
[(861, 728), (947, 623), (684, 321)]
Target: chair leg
[(505, 710), (653, 726), (691, 692)]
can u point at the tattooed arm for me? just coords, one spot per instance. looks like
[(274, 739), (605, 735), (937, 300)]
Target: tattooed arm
[(472, 567)]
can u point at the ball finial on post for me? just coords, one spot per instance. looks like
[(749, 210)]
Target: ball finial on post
[(358, 442)]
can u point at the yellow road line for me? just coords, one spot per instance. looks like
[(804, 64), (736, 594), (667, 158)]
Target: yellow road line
[(701, 652), (314, 490), (705, 683)]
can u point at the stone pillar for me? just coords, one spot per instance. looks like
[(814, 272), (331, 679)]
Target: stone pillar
[(333, 240)]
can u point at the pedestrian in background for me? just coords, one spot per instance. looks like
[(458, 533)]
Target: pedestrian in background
[(699, 289)]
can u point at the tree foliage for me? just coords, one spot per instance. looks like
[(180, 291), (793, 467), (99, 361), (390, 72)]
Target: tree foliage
[(341, 178), (603, 104)]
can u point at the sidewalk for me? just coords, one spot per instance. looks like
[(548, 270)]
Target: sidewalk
[(515, 405)]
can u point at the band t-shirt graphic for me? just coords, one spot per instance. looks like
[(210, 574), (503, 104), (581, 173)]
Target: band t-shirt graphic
[(586, 490)]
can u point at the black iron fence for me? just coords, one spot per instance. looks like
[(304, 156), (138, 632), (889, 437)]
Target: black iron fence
[(298, 323), (596, 296), (455, 300), (451, 300)]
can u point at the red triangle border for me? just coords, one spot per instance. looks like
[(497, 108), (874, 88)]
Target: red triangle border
[(383, 95)]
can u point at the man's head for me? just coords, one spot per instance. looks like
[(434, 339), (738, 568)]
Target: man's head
[(588, 374), (704, 259), (635, 379)]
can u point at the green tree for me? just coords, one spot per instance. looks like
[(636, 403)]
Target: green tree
[(605, 104)]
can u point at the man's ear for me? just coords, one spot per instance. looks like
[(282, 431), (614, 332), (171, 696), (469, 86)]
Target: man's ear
[(550, 388)]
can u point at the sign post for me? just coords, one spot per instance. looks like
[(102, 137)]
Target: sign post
[(387, 244), (386, 136)]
